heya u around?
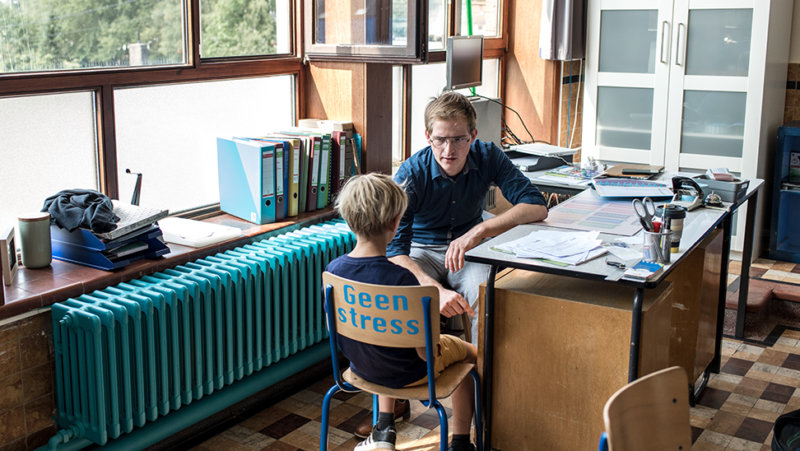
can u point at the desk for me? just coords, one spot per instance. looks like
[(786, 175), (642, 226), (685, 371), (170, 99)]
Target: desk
[(699, 225), (754, 188)]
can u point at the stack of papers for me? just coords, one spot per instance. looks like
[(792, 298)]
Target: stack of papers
[(559, 247)]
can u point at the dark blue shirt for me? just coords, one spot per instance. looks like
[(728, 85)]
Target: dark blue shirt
[(442, 208), (392, 367)]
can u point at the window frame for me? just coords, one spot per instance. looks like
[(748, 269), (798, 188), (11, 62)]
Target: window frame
[(415, 50), (493, 48), (102, 82)]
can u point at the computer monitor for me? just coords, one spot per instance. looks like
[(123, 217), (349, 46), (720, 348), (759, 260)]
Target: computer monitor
[(464, 62)]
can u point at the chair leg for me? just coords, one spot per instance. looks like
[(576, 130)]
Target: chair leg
[(375, 409), (478, 414), (442, 424), (326, 408)]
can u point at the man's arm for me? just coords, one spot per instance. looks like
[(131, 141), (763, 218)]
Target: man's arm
[(450, 302), (514, 216)]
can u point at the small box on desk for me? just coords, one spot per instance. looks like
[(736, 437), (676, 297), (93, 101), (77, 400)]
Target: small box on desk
[(729, 191)]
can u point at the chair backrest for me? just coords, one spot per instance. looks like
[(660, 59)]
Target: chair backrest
[(650, 413), (384, 315)]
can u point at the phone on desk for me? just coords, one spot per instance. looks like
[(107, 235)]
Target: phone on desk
[(686, 193)]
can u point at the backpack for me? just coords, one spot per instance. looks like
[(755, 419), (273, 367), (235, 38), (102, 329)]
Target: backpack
[(786, 432)]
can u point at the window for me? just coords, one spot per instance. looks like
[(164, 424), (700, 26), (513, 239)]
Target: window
[(168, 133), (244, 28), (49, 144), (71, 118), (364, 30), (485, 17), (55, 35)]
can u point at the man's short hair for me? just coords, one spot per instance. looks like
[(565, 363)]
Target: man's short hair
[(370, 202), (450, 106)]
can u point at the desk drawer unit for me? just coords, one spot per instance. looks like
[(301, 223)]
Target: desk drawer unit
[(561, 349)]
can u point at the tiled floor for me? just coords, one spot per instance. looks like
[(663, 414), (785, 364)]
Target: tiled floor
[(736, 411)]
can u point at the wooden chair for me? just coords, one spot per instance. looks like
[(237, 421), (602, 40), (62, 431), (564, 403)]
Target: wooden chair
[(649, 413), (406, 304)]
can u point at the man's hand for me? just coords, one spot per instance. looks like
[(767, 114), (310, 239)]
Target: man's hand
[(452, 303), (454, 257)]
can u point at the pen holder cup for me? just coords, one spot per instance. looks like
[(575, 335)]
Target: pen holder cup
[(656, 246)]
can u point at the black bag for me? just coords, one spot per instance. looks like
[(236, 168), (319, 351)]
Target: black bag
[(786, 432)]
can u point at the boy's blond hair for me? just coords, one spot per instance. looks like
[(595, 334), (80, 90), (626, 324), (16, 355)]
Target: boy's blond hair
[(450, 106), (370, 202)]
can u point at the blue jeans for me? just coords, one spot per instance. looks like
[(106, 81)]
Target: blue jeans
[(430, 258)]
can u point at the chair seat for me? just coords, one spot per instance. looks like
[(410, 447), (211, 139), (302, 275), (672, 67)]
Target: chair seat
[(446, 383)]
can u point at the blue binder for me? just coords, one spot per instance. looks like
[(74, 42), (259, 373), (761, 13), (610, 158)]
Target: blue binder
[(246, 172)]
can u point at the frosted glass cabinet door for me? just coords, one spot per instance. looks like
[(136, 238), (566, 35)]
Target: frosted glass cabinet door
[(628, 41), (624, 117), (709, 86), (713, 123), (626, 80), (718, 42)]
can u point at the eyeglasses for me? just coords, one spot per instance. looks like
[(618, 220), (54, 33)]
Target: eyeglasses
[(440, 141)]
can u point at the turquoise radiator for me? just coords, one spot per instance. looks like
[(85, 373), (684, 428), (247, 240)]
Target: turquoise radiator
[(133, 353)]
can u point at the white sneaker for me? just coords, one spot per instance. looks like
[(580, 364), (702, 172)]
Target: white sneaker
[(379, 439)]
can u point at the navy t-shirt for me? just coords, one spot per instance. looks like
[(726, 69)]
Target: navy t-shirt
[(392, 367)]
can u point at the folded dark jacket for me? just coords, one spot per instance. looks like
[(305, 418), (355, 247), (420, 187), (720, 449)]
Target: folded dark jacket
[(89, 209)]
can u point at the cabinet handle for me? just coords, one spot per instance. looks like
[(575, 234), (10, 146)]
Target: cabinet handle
[(680, 48), (665, 40)]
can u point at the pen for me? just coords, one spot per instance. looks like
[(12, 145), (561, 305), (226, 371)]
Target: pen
[(615, 264)]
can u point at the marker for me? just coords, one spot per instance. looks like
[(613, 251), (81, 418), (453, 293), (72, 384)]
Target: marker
[(615, 264)]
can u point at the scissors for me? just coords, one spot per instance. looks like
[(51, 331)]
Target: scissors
[(645, 210)]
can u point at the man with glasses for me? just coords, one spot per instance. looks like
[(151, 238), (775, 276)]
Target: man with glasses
[(446, 185)]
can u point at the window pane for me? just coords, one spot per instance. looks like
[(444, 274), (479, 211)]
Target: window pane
[(428, 80), (43, 35), (48, 145), (437, 24), (361, 22), (168, 133), (485, 18), (244, 28)]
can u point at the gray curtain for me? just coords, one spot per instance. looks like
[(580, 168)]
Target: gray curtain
[(563, 30)]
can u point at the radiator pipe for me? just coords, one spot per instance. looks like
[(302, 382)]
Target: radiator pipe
[(186, 416)]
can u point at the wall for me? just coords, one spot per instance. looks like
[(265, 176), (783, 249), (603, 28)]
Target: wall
[(530, 83), (27, 405)]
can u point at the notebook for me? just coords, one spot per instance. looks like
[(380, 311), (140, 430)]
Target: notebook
[(132, 218)]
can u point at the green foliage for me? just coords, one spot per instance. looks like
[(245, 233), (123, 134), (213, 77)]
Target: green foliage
[(41, 35), (237, 27)]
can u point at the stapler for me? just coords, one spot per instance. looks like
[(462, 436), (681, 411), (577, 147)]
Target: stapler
[(686, 193)]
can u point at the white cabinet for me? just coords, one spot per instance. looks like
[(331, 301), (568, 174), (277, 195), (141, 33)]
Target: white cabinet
[(688, 84)]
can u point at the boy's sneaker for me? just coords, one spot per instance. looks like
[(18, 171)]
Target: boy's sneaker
[(402, 411), (379, 439), (471, 447)]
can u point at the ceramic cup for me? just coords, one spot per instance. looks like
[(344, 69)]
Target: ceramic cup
[(34, 239)]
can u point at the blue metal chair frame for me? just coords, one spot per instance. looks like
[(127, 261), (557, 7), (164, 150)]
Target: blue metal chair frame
[(432, 401)]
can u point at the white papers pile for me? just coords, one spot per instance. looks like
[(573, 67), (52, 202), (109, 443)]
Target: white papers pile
[(562, 247)]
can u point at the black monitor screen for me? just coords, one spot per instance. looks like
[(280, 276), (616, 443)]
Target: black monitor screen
[(464, 61)]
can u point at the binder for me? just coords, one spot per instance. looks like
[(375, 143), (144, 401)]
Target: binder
[(338, 156), (292, 148), (323, 194), (283, 150), (313, 153), (247, 179), (280, 181)]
